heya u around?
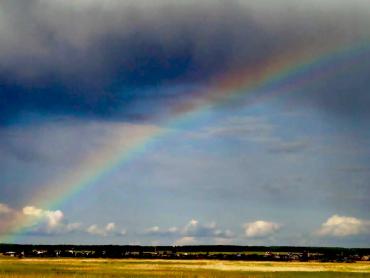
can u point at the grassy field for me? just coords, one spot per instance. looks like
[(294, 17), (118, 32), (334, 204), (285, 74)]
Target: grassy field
[(91, 268)]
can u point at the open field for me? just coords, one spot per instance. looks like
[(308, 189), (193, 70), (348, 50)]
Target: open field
[(91, 268)]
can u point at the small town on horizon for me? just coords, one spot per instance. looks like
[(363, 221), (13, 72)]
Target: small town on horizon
[(191, 252)]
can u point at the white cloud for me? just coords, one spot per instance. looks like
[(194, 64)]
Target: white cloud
[(49, 221), (52, 222), (191, 232), (196, 229), (72, 227), (110, 227), (52, 219), (261, 228), (109, 230), (342, 226), (95, 230), (154, 229)]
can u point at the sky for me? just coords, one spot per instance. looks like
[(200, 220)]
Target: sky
[(187, 122)]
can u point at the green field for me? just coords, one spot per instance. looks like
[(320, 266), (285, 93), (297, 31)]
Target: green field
[(91, 268)]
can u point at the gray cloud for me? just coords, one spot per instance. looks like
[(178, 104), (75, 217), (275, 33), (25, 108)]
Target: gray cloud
[(355, 169), (252, 129), (84, 58), (289, 147), (88, 38), (243, 128)]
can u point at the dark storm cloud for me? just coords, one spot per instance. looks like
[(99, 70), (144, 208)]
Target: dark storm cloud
[(92, 58), (344, 91)]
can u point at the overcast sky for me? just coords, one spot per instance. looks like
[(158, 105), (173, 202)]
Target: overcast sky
[(284, 163)]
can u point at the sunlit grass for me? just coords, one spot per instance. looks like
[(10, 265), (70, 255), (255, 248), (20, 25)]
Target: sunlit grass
[(92, 268)]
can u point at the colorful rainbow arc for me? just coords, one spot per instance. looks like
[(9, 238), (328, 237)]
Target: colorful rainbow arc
[(290, 71)]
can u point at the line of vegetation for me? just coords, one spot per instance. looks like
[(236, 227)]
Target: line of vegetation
[(226, 252)]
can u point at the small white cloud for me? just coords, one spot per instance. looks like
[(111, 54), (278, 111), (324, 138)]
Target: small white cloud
[(49, 221), (191, 227), (342, 226), (73, 227), (53, 222), (109, 229), (196, 229), (52, 219), (152, 230), (193, 222), (191, 232), (95, 230), (261, 228)]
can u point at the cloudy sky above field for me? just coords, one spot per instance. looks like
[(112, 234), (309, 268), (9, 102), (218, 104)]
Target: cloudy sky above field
[(187, 122)]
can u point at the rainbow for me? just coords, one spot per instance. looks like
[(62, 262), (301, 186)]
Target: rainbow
[(284, 73)]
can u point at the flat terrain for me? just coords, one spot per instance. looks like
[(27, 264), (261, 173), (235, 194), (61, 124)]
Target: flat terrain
[(91, 268)]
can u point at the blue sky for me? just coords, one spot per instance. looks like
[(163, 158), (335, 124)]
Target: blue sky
[(288, 169)]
